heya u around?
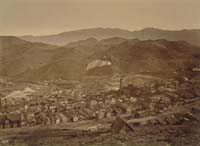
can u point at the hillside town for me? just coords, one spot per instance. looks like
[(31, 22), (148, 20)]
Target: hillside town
[(50, 103)]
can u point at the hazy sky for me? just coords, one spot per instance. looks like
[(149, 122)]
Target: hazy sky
[(36, 17)]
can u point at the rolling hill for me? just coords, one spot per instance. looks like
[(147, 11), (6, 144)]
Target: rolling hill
[(18, 55), (151, 56), (24, 60)]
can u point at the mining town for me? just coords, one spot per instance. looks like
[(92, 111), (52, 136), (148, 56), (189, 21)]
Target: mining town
[(99, 73), (134, 105)]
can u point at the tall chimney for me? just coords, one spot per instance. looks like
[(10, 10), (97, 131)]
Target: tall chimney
[(0, 105), (120, 84), (5, 105)]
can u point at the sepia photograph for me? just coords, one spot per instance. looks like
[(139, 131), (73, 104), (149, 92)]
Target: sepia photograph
[(99, 73)]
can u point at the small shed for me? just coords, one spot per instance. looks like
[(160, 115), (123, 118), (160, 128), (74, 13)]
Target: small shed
[(121, 126)]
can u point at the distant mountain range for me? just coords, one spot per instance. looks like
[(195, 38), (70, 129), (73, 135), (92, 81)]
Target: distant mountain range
[(192, 36), (34, 61)]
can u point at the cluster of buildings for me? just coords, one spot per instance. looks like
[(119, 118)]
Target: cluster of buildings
[(58, 105)]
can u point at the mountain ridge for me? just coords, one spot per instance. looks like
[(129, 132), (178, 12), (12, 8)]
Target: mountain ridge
[(190, 35), (25, 60)]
